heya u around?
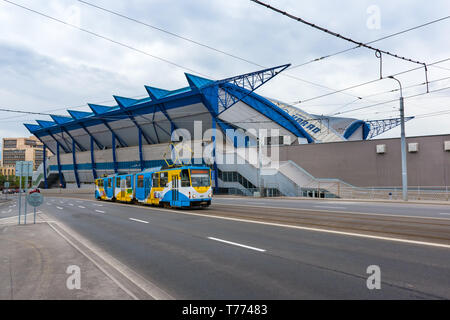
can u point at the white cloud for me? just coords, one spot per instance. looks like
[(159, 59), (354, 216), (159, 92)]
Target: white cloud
[(44, 64)]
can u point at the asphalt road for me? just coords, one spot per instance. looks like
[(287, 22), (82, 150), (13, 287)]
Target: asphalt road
[(192, 256), (382, 208)]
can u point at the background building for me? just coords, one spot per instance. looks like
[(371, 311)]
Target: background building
[(21, 149)]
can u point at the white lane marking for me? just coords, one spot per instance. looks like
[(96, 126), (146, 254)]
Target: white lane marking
[(100, 211), (346, 212), (81, 207), (137, 220), (360, 235), (98, 205), (60, 208), (445, 213), (330, 207), (71, 204), (351, 234), (237, 244)]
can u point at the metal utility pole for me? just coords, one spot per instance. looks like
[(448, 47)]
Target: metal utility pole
[(403, 143)]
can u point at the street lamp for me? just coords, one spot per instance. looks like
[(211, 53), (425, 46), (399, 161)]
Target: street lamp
[(403, 143)]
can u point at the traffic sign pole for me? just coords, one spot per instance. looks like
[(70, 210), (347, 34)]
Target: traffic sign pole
[(26, 193), (20, 188)]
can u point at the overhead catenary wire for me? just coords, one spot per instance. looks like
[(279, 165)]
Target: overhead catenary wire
[(366, 83), (204, 45), (149, 54), (370, 42), (108, 39), (377, 51), (394, 100), (360, 44), (111, 39)]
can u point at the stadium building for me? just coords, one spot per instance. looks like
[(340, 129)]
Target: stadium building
[(135, 134)]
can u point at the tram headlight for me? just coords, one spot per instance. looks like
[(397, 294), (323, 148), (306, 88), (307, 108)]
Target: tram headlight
[(194, 196)]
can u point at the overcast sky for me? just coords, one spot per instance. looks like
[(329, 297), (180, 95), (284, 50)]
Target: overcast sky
[(46, 66)]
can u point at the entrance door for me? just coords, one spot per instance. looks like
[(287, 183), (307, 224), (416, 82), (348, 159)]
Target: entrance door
[(175, 186), (147, 186)]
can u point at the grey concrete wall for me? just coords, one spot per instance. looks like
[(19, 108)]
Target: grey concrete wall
[(357, 162)]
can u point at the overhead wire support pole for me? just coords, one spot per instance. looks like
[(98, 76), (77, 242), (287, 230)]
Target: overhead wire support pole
[(403, 143), (360, 44)]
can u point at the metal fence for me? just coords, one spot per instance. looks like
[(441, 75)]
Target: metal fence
[(338, 189)]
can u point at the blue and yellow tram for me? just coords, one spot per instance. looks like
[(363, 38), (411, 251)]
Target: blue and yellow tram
[(183, 187)]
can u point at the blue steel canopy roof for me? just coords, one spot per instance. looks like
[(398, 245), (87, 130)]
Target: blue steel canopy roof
[(215, 96), (200, 90)]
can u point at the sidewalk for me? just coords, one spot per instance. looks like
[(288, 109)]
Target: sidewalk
[(33, 264)]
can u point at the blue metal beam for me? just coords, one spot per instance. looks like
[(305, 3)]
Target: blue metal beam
[(164, 111), (99, 145), (141, 156), (123, 104), (62, 146), (94, 171), (154, 127), (99, 110), (61, 178), (116, 168), (44, 161), (73, 139), (75, 169)]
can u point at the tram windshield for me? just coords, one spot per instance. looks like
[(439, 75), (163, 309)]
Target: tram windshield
[(200, 178)]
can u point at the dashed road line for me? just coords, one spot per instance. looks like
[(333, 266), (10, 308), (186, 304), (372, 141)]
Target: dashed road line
[(237, 244), (137, 220), (100, 211)]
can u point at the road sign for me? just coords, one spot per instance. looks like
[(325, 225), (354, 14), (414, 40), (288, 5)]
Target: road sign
[(24, 168), (6, 185), (35, 199)]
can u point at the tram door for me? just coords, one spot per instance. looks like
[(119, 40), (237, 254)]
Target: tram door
[(147, 186), (175, 186)]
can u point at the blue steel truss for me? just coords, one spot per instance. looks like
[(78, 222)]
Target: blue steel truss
[(378, 127), (217, 92)]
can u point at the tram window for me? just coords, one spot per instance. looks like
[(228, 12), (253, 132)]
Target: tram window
[(164, 179), (109, 183), (185, 178), (155, 181), (200, 178), (128, 182), (118, 182), (140, 181)]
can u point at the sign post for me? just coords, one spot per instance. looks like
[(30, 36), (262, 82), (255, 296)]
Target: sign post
[(35, 199), (23, 169), (6, 186)]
